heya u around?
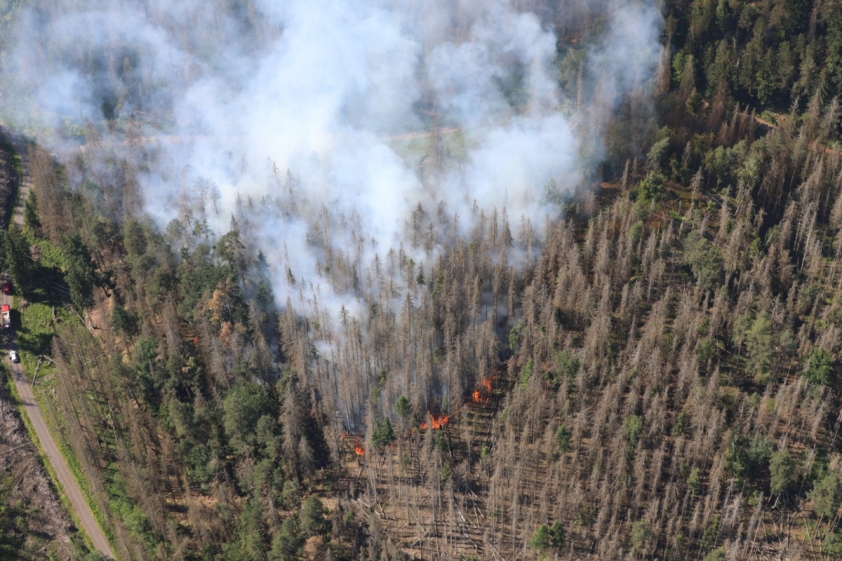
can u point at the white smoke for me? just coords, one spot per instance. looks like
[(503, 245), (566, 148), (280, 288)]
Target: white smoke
[(341, 94)]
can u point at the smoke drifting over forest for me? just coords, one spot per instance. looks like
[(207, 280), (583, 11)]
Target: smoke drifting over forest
[(316, 113)]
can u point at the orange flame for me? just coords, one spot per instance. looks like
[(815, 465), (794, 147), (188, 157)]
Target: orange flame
[(435, 422), (358, 450), (195, 340), (439, 422), (484, 391)]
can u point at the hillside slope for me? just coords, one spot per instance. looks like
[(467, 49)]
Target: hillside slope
[(654, 374)]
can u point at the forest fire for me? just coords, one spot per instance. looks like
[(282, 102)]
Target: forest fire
[(435, 422), (358, 445), (438, 422), (406, 203), (478, 394)]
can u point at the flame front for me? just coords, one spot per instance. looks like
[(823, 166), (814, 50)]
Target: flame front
[(478, 393), (439, 422), (435, 422)]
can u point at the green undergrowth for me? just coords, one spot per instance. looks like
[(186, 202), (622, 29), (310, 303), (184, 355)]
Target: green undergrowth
[(35, 329)]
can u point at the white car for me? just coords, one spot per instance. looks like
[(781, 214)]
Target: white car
[(14, 356)]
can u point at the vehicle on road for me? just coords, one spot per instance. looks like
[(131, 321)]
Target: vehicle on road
[(5, 312), (6, 287), (14, 356)]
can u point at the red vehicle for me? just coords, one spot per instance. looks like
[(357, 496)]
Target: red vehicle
[(7, 287), (5, 309)]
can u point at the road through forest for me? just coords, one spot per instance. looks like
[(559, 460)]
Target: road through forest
[(65, 478)]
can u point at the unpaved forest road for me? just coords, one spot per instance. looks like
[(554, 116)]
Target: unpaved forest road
[(27, 398)]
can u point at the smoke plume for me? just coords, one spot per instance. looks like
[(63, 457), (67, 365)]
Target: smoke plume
[(335, 133)]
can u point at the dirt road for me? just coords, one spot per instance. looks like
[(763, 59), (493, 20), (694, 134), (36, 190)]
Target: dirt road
[(24, 388)]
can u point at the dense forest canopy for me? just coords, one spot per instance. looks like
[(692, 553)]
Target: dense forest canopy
[(478, 280)]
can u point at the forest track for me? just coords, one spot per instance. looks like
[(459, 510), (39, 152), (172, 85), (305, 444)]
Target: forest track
[(64, 476), (813, 145), (173, 139)]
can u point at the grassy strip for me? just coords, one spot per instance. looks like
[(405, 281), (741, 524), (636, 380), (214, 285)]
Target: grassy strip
[(34, 336)]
